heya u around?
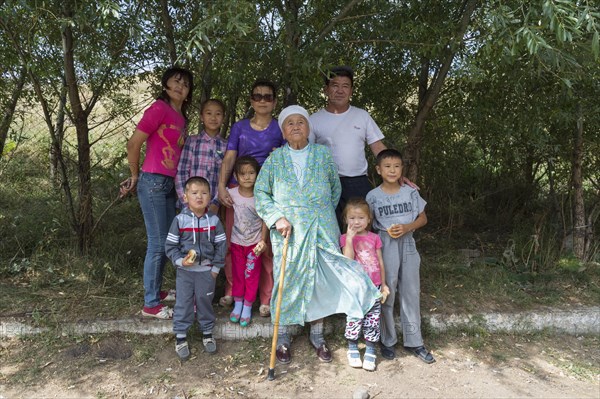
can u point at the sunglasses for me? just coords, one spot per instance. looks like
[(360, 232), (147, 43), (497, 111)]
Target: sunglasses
[(259, 97)]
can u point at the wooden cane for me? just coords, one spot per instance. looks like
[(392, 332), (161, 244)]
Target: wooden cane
[(271, 375)]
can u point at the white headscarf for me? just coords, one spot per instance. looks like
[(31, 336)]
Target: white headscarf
[(291, 110)]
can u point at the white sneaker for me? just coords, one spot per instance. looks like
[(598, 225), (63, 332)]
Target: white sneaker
[(354, 358), (167, 295), (369, 362), (159, 312)]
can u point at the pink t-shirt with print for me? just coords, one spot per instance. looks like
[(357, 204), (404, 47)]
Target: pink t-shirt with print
[(365, 253), (165, 128), (247, 225)]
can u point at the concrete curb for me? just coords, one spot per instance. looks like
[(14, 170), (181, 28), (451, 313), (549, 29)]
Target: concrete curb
[(582, 320)]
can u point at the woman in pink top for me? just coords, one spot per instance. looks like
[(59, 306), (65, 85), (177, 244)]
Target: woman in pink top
[(163, 129)]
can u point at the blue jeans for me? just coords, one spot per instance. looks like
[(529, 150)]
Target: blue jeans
[(157, 198)]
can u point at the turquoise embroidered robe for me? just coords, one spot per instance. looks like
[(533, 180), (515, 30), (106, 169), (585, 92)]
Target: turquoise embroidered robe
[(319, 280)]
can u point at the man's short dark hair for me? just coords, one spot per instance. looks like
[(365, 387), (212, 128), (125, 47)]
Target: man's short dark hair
[(388, 153), (341, 70)]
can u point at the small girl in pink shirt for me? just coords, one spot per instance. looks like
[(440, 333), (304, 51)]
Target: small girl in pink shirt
[(364, 246)]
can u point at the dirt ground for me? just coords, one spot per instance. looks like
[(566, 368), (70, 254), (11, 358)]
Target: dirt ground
[(134, 366)]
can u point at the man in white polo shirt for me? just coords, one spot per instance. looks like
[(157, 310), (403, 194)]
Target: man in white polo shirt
[(345, 130)]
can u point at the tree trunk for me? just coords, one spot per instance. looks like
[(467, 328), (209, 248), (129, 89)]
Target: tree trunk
[(9, 111), (84, 220), (412, 154), (169, 31), (415, 136), (62, 168), (579, 227), (206, 81), (292, 39), (59, 134)]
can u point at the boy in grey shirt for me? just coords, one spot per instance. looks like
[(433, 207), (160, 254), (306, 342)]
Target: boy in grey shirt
[(398, 210), (196, 245)]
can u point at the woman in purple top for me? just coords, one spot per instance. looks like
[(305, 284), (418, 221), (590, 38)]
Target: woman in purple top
[(163, 129), (255, 137)]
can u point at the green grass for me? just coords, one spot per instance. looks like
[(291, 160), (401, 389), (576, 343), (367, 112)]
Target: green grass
[(451, 283)]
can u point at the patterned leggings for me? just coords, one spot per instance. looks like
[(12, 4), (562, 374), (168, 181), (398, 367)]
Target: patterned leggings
[(369, 325)]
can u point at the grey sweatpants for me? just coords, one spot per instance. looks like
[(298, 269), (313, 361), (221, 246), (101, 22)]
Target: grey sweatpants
[(194, 288), (402, 263)]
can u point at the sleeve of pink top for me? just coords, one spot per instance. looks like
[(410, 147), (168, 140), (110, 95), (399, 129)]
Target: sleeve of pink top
[(152, 118)]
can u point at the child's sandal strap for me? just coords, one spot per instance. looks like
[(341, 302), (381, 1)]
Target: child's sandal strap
[(353, 352)]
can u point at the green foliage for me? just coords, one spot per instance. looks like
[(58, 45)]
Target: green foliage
[(35, 240), (8, 147), (224, 22), (546, 30), (532, 249), (570, 263)]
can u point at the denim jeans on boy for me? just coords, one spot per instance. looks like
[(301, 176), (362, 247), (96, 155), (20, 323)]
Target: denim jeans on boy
[(157, 197)]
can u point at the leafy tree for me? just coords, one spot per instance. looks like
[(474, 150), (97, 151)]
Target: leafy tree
[(562, 39), (84, 44)]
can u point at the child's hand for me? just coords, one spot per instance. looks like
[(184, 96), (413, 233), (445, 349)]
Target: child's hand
[(397, 230), (259, 248), (385, 291), (190, 258), (214, 275), (350, 233)]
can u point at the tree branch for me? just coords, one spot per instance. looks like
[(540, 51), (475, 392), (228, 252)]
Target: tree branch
[(106, 75), (325, 31), (431, 95)]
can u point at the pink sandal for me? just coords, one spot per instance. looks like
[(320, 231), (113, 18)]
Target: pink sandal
[(244, 321), (234, 317)]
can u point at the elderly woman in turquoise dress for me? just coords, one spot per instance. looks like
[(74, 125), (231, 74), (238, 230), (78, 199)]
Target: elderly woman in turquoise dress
[(296, 193)]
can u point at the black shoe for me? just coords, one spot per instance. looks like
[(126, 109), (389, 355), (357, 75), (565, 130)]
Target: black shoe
[(323, 353), (388, 352), (283, 354), (422, 353)]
